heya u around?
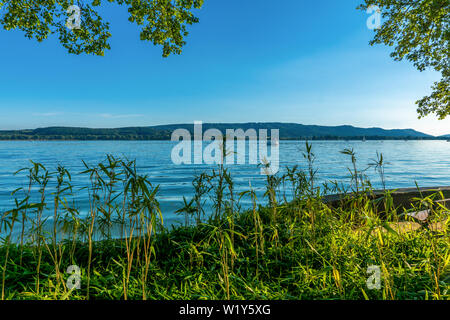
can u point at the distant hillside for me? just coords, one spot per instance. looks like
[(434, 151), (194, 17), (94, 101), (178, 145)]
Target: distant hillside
[(447, 136), (288, 131)]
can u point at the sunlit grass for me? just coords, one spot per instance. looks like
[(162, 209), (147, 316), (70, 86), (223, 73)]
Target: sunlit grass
[(295, 246)]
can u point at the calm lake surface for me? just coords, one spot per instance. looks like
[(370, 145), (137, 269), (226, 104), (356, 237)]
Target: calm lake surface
[(427, 162)]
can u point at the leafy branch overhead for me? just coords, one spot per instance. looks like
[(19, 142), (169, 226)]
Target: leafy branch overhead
[(162, 22), (419, 31)]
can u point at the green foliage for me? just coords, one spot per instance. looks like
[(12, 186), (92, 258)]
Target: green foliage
[(297, 246), (162, 22), (420, 32)]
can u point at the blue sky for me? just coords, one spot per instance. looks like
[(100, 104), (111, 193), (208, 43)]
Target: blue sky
[(246, 61)]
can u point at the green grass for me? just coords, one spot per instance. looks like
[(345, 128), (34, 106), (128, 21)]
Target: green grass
[(295, 247)]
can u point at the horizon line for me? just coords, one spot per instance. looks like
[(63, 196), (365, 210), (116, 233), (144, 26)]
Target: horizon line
[(224, 123)]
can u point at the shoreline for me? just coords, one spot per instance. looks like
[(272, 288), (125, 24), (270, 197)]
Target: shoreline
[(281, 139), (402, 196)]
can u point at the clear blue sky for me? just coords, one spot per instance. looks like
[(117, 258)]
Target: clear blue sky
[(246, 61)]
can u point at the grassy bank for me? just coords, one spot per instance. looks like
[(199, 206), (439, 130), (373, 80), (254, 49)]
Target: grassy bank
[(293, 246)]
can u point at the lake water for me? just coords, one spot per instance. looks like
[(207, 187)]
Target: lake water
[(427, 162)]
